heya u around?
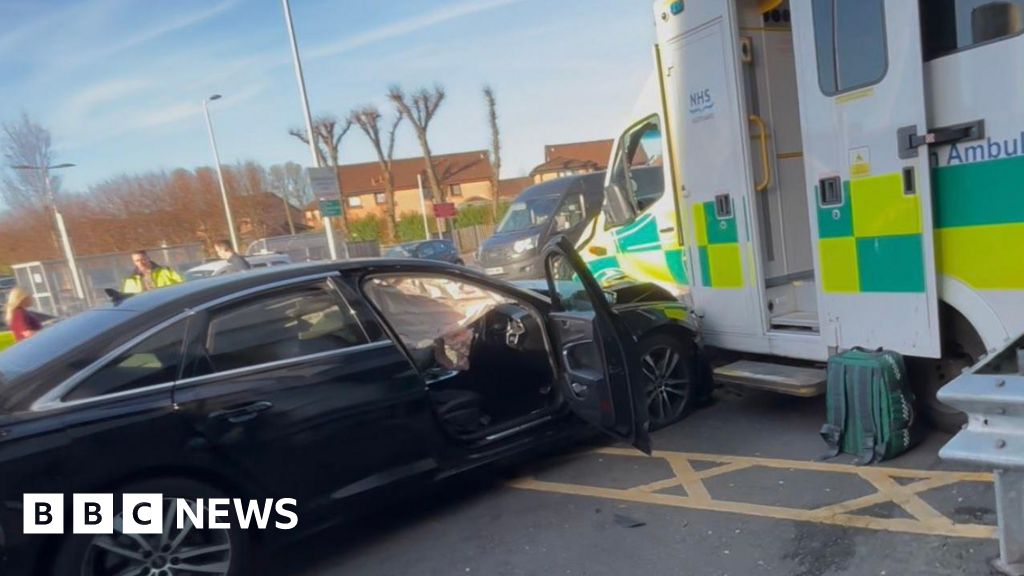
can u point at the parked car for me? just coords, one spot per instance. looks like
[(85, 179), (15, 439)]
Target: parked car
[(209, 269), (441, 250), (320, 382), (562, 206)]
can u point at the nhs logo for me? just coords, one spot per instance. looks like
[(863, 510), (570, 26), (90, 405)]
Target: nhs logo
[(702, 104)]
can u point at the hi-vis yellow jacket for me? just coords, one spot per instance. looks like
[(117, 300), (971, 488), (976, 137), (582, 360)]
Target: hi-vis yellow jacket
[(161, 277)]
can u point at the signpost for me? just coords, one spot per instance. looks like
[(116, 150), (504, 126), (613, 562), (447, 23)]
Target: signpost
[(445, 210), (324, 183)]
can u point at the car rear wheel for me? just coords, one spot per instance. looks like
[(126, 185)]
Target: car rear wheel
[(666, 362), (173, 552)]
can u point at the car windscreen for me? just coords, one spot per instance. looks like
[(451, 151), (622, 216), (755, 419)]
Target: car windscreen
[(528, 213), (33, 353)]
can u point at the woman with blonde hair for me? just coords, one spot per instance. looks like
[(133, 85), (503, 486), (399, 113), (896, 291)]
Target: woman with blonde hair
[(21, 322)]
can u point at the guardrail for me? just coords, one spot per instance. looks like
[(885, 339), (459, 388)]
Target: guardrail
[(991, 393)]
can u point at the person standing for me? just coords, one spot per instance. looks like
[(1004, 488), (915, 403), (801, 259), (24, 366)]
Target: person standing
[(148, 275), (21, 322), (236, 263)]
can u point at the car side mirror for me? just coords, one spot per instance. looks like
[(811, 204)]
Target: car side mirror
[(619, 210)]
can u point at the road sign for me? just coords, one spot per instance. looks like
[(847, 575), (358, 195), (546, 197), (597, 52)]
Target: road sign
[(329, 208), (445, 210), (324, 183)]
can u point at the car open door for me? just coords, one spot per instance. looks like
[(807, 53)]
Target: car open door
[(595, 350)]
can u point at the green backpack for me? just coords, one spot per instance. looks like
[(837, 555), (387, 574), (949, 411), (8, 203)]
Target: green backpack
[(870, 406)]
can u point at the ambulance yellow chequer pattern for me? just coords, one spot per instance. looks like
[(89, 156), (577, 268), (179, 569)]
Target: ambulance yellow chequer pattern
[(872, 241), (721, 264)]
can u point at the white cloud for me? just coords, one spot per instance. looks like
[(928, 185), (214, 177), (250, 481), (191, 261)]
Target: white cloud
[(407, 26), (91, 97), (164, 28)]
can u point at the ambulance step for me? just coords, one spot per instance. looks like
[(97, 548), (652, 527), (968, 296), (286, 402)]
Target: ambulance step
[(784, 379)]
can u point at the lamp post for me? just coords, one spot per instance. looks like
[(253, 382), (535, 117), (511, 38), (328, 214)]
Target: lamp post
[(51, 200), (331, 248), (220, 171)]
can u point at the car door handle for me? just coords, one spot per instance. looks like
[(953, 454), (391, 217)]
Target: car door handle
[(243, 414)]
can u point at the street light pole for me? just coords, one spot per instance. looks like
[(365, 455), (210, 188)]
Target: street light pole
[(220, 171), (51, 199), (331, 247)]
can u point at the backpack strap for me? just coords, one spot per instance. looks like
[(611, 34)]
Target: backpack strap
[(863, 381), (832, 431)]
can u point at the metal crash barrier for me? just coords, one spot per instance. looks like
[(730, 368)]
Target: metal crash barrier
[(991, 393)]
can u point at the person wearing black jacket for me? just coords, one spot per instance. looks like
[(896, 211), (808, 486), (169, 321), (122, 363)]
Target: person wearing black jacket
[(236, 263)]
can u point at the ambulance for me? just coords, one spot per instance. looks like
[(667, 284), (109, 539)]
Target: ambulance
[(836, 173)]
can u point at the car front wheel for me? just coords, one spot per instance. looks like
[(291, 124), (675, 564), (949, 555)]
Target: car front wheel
[(666, 362), (174, 552)]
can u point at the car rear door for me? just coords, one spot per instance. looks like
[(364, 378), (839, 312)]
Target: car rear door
[(287, 387), (596, 351)]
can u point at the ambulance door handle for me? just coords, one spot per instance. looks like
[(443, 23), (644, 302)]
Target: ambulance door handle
[(908, 140), (766, 171), (669, 229)]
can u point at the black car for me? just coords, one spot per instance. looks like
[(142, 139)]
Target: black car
[(319, 382), (440, 250), (559, 207)]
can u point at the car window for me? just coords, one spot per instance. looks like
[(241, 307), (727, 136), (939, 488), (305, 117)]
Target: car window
[(429, 249), (283, 325), (637, 166), (434, 316), (571, 212), (571, 293), (156, 360), (33, 353)]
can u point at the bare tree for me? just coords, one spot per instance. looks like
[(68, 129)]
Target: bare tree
[(328, 135), (25, 142), (420, 107), (368, 119), (288, 181), (492, 119)]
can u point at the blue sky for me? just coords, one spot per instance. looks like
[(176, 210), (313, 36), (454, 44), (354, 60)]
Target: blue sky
[(120, 82)]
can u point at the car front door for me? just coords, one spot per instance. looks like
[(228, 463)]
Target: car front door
[(596, 351), (287, 388)]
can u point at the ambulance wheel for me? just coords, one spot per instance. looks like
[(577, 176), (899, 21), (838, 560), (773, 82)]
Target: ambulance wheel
[(931, 375), (666, 361), (173, 552)]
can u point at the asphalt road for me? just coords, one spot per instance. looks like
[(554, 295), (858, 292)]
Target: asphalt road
[(608, 512)]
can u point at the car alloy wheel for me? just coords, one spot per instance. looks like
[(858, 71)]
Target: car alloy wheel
[(185, 552), (668, 385)]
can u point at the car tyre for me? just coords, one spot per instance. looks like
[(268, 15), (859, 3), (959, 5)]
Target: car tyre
[(667, 362), (214, 552)]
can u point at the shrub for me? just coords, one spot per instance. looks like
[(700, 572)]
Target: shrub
[(365, 228)]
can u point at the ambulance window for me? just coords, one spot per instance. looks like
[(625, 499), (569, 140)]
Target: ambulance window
[(951, 25), (849, 39), (638, 163)]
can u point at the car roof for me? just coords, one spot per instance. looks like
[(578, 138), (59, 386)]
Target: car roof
[(189, 294)]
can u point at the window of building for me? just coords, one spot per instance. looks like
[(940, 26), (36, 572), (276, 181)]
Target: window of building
[(456, 189), (951, 25), (355, 202), (280, 326), (850, 42), (381, 198), (156, 360), (637, 168)]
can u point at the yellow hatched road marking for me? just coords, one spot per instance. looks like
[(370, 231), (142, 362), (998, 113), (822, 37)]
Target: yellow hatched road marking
[(926, 519)]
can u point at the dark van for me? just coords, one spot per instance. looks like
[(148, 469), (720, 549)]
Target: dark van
[(560, 206)]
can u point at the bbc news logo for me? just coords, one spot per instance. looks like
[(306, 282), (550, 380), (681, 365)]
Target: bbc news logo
[(144, 513)]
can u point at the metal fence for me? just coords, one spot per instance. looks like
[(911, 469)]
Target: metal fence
[(53, 288), (311, 246)]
